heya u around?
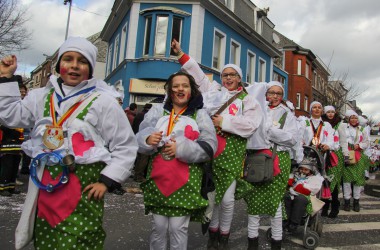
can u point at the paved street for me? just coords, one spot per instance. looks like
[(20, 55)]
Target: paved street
[(128, 228)]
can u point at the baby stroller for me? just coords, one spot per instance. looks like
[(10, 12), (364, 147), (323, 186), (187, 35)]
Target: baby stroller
[(311, 223)]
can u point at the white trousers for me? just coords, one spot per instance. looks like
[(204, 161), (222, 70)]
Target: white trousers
[(223, 213), (275, 222), (177, 227), (347, 191)]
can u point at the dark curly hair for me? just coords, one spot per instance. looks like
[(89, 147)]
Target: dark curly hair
[(169, 83)]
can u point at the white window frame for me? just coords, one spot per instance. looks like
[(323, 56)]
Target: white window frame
[(115, 52), (299, 67), (230, 4), (161, 36), (262, 70), (251, 61), (123, 43), (222, 50), (109, 58), (237, 51), (306, 103), (307, 68), (298, 101)]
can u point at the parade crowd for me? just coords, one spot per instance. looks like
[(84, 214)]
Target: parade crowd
[(207, 145)]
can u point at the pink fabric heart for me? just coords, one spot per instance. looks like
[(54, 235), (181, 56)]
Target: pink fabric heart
[(326, 133), (336, 138), (233, 109), (80, 145), (169, 176), (361, 138), (276, 161), (190, 133), (56, 206), (333, 159), (357, 155), (222, 142)]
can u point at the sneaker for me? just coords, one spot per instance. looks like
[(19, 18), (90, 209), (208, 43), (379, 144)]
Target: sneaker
[(19, 183)]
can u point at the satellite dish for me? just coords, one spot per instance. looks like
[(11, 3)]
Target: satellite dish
[(276, 39)]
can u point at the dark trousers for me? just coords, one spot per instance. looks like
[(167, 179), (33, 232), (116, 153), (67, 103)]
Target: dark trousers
[(9, 164), (25, 163), (141, 165), (296, 208)]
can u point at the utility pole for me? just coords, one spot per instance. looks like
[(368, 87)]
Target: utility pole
[(68, 18)]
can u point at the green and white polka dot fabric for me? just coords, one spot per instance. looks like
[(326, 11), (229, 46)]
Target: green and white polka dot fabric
[(265, 198), (83, 228)]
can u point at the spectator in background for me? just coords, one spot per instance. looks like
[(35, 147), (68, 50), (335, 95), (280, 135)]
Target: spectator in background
[(131, 112), (141, 162), (10, 152)]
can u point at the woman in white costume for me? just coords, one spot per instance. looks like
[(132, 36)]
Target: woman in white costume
[(338, 156), (266, 199), (354, 173), (240, 117)]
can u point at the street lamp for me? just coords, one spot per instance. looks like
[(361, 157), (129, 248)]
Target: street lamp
[(68, 18)]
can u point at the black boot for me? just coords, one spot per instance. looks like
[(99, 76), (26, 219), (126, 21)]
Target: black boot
[(347, 205), (356, 205), (276, 244), (223, 241), (325, 208), (253, 243), (213, 240), (334, 209)]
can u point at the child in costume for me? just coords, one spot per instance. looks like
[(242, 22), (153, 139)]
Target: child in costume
[(236, 116), (178, 135), (82, 145), (304, 182)]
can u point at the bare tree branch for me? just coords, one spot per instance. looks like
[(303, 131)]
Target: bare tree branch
[(13, 35)]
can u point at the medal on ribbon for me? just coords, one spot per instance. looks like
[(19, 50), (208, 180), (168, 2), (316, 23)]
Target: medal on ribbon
[(317, 133), (172, 121), (53, 136)]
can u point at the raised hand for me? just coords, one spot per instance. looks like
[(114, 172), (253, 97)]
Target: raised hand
[(8, 66)]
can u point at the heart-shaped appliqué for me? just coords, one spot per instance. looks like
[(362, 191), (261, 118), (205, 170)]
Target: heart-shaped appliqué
[(190, 133), (80, 145), (56, 206), (233, 109), (169, 176)]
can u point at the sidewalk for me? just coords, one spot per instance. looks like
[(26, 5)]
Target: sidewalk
[(372, 186)]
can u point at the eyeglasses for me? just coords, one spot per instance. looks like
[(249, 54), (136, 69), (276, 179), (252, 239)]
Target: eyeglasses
[(231, 75), (274, 93)]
